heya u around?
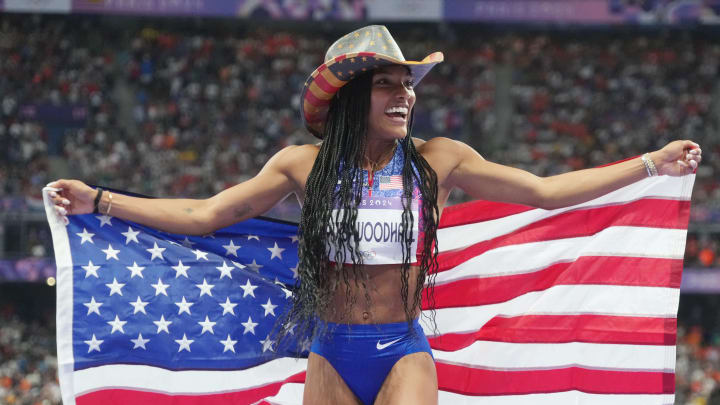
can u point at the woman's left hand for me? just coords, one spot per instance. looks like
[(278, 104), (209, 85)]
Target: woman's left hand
[(677, 158)]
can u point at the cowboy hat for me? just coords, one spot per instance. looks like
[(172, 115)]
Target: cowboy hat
[(359, 51)]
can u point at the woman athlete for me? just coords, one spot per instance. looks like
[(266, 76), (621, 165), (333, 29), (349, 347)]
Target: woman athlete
[(371, 197)]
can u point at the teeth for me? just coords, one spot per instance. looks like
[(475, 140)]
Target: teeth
[(401, 110)]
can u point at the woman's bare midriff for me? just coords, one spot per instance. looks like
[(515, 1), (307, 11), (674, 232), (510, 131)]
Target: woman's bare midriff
[(385, 304)]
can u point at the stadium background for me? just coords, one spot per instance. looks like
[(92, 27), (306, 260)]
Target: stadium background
[(188, 97)]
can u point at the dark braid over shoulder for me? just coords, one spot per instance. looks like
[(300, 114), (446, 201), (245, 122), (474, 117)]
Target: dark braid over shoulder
[(339, 162)]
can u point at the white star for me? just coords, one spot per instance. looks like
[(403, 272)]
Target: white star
[(199, 254), (86, 236), (115, 287), (93, 344), (181, 269), (287, 292), (131, 235), (225, 270), (104, 219), (207, 325), (231, 249), (269, 308), (275, 251), (184, 343), (93, 306), (290, 328), (117, 324), (139, 342), (255, 267), (187, 242), (229, 344), (295, 270), (267, 344), (248, 289), (249, 326), (156, 252), (160, 288), (162, 325), (139, 306), (293, 238), (135, 270), (228, 306), (110, 252), (253, 237), (184, 306), (91, 269), (205, 288), (305, 345)]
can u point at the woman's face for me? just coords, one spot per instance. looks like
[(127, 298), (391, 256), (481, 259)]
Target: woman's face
[(391, 101)]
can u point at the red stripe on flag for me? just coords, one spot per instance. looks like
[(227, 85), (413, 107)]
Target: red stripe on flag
[(655, 213), (477, 382), (126, 396), (608, 329), (597, 270), (478, 211)]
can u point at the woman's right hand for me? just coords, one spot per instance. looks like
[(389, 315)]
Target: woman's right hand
[(72, 197)]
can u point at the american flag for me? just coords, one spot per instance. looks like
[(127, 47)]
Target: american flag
[(575, 305), (393, 182)]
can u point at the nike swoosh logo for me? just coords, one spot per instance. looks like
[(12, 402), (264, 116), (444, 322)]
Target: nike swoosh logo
[(381, 346)]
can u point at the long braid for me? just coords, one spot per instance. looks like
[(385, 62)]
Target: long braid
[(326, 239)]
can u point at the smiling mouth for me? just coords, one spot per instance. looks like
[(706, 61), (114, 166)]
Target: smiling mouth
[(397, 114)]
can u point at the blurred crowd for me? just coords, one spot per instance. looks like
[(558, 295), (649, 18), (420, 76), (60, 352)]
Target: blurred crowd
[(28, 361), (180, 111)]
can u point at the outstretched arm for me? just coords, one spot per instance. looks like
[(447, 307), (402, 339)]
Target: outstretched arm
[(189, 216), (490, 181)]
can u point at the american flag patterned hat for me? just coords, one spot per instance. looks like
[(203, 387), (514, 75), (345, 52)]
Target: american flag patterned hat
[(359, 51)]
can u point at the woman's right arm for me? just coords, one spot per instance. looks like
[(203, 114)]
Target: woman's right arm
[(279, 177)]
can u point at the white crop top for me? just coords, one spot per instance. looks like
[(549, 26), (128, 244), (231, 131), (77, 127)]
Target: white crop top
[(379, 220)]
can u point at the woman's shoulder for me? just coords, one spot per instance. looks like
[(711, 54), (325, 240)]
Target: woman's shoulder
[(299, 152), (437, 144)]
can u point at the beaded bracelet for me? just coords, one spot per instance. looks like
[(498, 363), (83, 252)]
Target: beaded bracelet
[(649, 165)]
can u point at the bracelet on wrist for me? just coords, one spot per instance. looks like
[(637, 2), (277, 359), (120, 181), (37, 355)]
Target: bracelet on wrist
[(649, 165), (109, 203), (96, 203)]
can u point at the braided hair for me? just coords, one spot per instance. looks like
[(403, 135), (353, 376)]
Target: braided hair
[(326, 240)]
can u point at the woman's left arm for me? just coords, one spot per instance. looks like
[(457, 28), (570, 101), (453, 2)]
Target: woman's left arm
[(490, 181)]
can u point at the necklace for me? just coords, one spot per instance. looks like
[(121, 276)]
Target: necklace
[(374, 165)]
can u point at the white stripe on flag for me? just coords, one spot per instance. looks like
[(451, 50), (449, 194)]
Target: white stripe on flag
[(154, 379), (64, 307), (564, 300), (554, 398), (625, 241), (291, 394), (540, 356)]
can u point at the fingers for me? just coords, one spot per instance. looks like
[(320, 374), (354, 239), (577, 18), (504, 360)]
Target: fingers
[(62, 212), (61, 204), (692, 156), (687, 144)]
